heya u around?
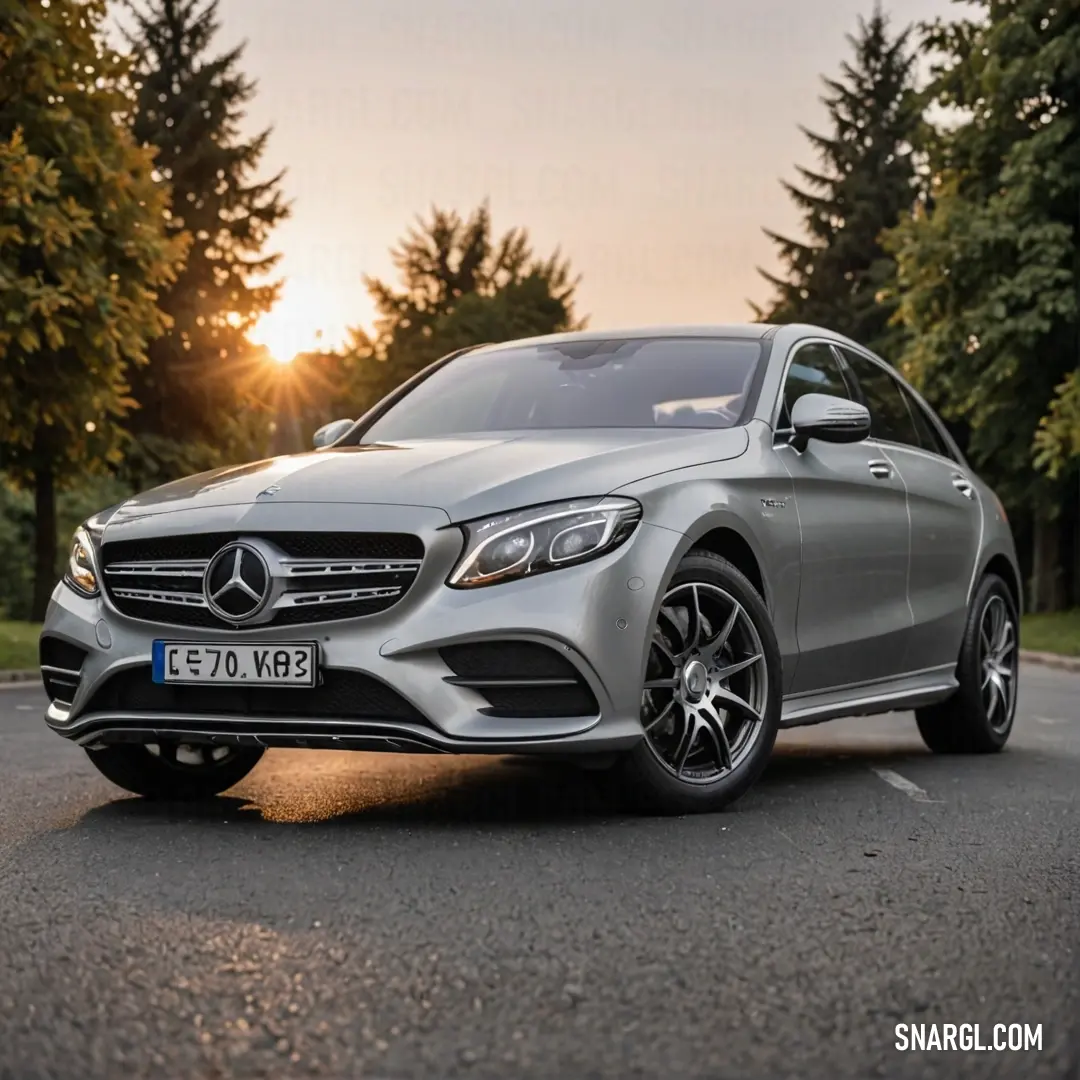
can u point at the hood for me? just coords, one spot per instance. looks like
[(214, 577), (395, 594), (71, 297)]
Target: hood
[(465, 477)]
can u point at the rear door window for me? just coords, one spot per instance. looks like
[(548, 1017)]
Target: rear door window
[(929, 435), (890, 418)]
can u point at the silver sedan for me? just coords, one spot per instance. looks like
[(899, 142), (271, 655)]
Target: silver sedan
[(644, 551)]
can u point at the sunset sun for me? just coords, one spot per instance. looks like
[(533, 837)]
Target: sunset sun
[(304, 319)]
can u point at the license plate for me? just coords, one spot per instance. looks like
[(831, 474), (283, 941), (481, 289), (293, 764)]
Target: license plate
[(280, 664)]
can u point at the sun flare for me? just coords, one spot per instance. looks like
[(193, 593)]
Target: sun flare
[(304, 319)]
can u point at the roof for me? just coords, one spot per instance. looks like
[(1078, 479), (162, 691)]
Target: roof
[(753, 331)]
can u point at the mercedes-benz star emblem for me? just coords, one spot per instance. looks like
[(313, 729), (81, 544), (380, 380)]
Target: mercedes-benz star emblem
[(237, 583)]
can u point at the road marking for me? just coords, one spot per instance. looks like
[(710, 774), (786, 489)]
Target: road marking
[(1048, 720), (25, 708), (901, 783)]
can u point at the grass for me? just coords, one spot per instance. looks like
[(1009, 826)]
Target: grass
[(1055, 633), (19, 646)]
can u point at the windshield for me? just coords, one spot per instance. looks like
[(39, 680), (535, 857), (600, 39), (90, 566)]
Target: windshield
[(621, 383)]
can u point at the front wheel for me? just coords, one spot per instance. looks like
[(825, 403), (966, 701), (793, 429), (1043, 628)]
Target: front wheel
[(978, 718), (175, 771), (711, 701)]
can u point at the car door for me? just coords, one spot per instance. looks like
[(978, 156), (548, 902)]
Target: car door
[(853, 618), (946, 514)]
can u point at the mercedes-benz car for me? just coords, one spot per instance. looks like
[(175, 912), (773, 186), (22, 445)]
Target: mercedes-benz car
[(645, 551)]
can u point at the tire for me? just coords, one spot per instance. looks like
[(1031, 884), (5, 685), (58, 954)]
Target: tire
[(727, 749), (978, 718), (165, 775)]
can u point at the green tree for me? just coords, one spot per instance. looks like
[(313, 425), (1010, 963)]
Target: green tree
[(190, 105), (17, 525), (458, 287), (1057, 442), (82, 253), (864, 183), (989, 266)]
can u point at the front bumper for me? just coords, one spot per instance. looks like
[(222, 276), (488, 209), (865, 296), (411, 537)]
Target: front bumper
[(598, 616)]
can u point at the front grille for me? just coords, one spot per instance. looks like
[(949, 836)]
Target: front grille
[(300, 545), (321, 577), (520, 679), (203, 617), (61, 668), (340, 695)]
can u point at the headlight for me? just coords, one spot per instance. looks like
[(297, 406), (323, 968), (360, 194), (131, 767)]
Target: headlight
[(82, 565), (544, 538)]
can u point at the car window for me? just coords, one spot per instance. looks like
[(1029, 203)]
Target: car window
[(929, 435), (814, 369), (580, 383), (890, 418)]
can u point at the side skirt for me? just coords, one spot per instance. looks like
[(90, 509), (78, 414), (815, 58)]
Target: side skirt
[(868, 699)]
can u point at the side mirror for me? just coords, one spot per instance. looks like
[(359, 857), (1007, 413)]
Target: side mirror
[(330, 433), (830, 419)]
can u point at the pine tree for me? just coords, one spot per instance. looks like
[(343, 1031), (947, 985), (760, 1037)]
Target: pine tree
[(82, 252), (459, 287), (989, 268), (190, 106), (862, 186)]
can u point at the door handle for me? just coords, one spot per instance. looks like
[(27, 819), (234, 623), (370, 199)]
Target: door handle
[(880, 470), (963, 485)]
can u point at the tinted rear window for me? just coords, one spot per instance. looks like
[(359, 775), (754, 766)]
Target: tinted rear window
[(620, 383)]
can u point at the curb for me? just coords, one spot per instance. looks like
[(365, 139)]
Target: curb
[(1028, 656), (15, 677), (1051, 660)]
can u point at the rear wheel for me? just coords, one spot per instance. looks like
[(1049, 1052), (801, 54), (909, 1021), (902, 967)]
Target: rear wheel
[(175, 771), (710, 705), (978, 718)]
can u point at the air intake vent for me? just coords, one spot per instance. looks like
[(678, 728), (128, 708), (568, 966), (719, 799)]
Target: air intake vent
[(342, 694), (61, 668), (520, 679)]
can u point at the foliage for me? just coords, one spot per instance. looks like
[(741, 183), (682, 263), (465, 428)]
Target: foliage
[(863, 185), (19, 646), (459, 287), (82, 250), (989, 267), (190, 105), (1052, 632), (85, 497), (16, 545), (1057, 442)]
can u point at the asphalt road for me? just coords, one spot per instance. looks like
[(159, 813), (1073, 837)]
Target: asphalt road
[(365, 916)]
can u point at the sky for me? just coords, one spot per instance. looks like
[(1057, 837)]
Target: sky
[(644, 138)]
